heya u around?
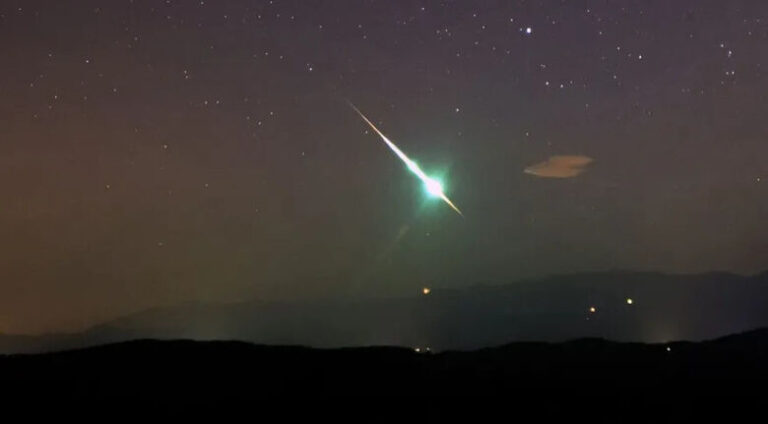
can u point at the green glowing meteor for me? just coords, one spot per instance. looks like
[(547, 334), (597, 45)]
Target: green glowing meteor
[(433, 186)]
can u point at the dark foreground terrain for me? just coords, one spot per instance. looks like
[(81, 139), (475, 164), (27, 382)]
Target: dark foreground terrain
[(594, 378)]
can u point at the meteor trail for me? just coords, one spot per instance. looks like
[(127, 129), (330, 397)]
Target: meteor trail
[(433, 186)]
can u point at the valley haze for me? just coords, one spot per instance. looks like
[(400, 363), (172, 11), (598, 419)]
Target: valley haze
[(663, 308)]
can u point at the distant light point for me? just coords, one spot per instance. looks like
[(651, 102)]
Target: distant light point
[(630, 301), (528, 30), (592, 309), (426, 290)]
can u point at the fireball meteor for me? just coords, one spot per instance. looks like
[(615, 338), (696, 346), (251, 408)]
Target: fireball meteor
[(433, 186)]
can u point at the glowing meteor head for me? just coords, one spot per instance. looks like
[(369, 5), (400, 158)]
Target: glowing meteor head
[(434, 188)]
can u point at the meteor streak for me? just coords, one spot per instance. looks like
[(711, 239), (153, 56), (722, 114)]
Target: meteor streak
[(432, 185)]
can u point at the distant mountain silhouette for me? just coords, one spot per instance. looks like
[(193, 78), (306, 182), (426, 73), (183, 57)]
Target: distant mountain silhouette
[(664, 307)]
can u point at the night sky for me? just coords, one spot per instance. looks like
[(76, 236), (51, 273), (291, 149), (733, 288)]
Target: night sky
[(158, 152)]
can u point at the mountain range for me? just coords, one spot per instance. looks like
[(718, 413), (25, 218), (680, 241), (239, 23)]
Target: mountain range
[(620, 306)]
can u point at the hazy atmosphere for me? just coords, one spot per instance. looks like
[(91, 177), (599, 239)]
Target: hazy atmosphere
[(154, 153)]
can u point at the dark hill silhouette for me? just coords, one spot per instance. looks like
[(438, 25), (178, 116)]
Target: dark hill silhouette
[(665, 307), (597, 378)]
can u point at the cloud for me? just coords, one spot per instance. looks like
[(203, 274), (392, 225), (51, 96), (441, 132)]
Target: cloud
[(559, 167)]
